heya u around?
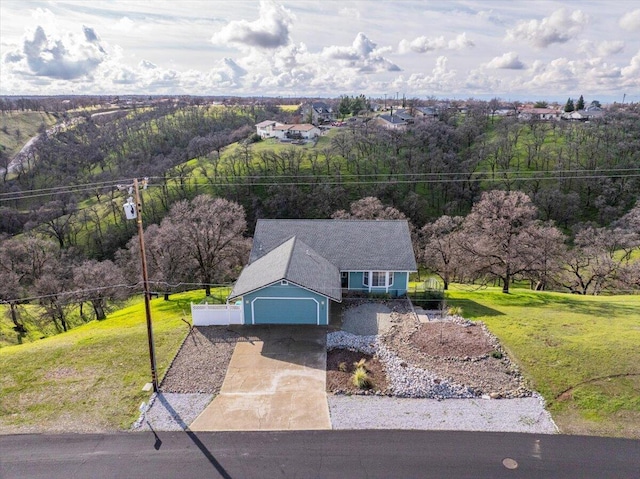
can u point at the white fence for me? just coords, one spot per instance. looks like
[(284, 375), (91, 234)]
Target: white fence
[(216, 314)]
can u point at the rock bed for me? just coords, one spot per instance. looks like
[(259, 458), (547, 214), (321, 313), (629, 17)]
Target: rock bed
[(413, 373), (405, 381), (201, 363)]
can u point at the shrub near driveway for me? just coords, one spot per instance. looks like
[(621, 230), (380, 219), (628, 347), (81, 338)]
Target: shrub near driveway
[(90, 378), (580, 352)]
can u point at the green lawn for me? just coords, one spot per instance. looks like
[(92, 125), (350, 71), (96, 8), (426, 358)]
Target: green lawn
[(582, 353), (90, 378)]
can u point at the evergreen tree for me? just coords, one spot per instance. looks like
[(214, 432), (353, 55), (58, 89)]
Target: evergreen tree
[(580, 104), (569, 106)]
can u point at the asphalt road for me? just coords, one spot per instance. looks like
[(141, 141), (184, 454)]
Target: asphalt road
[(317, 454)]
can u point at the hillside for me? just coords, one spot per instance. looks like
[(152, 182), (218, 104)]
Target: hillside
[(580, 352), (90, 378), (17, 127)]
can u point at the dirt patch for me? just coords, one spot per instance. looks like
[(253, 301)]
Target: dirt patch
[(463, 358), (341, 366), (449, 339)]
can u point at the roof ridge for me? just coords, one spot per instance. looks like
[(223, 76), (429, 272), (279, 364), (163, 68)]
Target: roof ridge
[(293, 247)]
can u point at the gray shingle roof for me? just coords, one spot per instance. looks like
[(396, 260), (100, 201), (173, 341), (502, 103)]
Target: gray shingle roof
[(351, 245), (293, 261)]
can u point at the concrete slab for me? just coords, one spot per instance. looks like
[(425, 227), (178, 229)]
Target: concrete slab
[(275, 382)]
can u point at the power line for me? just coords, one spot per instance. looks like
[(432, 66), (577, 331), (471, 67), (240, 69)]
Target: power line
[(348, 179)]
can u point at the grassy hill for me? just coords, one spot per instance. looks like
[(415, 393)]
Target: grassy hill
[(580, 352), (16, 128), (90, 378)]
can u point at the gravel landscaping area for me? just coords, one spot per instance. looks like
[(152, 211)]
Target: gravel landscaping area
[(367, 319), (172, 411), (201, 363), (443, 374), (506, 415)]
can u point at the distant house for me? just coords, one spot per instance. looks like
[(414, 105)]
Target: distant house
[(320, 112), (274, 129), (265, 128), (425, 112), (541, 114), (390, 121), (591, 113), (404, 115)]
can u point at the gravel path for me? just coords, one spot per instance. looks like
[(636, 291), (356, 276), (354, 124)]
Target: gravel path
[(172, 411), (201, 363), (505, 415), (367, 319)]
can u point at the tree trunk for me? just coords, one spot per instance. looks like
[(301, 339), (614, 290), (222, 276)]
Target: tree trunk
[(18, 326), (99, 310), (505, 282)]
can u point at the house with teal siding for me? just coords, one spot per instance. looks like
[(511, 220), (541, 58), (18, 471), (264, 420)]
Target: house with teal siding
[(297, 268)]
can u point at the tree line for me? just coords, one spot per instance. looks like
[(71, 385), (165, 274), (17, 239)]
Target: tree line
[(204, 242)]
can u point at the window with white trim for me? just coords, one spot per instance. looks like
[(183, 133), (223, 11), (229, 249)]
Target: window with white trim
[(379, 279)]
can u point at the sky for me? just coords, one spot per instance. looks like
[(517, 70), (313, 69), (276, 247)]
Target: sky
[(513, 50)]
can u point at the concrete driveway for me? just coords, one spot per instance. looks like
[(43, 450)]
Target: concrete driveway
[(274, 383)]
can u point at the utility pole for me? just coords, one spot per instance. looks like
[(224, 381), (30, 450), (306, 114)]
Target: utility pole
[(137, 215)]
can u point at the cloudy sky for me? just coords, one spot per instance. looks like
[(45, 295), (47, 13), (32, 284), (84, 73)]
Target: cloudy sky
[(456, 49)]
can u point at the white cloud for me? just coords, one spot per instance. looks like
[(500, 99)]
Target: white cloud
[(68, 57), (441, 78), (270, 31), (631, 21), (508, 61), (631, 73), (602, 49), (424, 44), (362, 55), (563, 74), (125, 24), (560, 27)]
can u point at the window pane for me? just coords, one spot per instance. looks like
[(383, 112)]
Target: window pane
[(378, 278)]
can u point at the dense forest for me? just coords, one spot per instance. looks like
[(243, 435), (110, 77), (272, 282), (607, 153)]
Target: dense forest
[(565, 192)]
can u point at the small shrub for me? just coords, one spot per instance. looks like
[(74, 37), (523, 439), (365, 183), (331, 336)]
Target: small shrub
[(361, 378), (496, 354), (361, 364), (342, 367), (454, 311)]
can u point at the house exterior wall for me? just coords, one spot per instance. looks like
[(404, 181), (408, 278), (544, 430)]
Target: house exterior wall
[(285, 304), (398, 288)]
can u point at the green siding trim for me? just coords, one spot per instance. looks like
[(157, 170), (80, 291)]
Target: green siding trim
[(285, 304)]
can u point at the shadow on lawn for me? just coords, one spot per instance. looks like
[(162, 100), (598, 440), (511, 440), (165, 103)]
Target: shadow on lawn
[(471, 309)]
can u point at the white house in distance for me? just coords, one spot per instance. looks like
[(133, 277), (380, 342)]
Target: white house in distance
[(265, 128), (274, 129)]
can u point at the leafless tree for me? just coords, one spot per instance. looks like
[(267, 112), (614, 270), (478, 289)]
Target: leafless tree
[(597, 259), (99, 282), (494, 232), (210, 232), (442, 253), (369, 208)]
